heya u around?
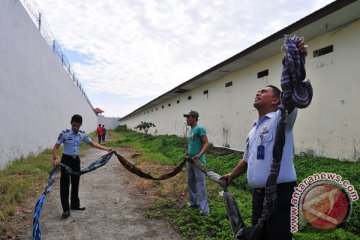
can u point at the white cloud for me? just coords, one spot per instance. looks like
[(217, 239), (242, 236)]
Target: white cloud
[(142, 48)]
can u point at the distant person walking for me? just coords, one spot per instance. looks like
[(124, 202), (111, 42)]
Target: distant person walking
[(99, 133), (104, 133), (197, 146), (71, 138)]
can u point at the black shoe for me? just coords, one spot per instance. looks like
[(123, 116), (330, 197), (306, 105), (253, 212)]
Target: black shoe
[(65, 214), (78, 208)]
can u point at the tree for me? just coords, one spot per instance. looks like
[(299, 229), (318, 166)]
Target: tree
[(145, 126)]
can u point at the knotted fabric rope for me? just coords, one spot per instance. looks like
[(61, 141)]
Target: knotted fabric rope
[(296, 92), (132, 168), (40, 202), (210, 173), (94, 165), (240, 231)]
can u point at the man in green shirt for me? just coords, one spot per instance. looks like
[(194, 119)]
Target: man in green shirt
[(197, 146)]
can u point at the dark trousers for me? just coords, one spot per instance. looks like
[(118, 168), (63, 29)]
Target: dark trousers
[(99, 138), (74, 164), (278, 225)]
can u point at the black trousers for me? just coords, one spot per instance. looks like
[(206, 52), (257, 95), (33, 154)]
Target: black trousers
[(278, 225), (74, 164)]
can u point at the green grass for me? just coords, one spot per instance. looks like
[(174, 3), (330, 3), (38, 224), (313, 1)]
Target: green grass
[(165, 149), (170, 150), (21, 179)]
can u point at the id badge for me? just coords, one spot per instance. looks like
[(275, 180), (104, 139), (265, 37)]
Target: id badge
[(261, 152)]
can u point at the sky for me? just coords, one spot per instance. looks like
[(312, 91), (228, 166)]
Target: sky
[(128, 52)]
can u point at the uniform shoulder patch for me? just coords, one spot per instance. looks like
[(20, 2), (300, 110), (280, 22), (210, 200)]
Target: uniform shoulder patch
[(62, 133), (60, 136), (81, 131)]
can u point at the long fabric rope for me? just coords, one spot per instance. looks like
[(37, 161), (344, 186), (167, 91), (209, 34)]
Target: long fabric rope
[(132, 168), (232, 208), (36, 224), (295, 93), (91, 167), (240, 231), (94, 165), (237, 224)]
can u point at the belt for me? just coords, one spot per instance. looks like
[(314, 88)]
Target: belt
[(72, 156), (280, 185)]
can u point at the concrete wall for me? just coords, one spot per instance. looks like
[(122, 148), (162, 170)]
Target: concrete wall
[(329, 127), (37, 96), (109, 122)]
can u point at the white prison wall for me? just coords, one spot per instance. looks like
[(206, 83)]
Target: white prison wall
[(37, 96), (109, 122), (329, 127)]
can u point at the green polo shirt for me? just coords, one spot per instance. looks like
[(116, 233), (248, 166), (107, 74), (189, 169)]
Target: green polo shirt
[(195, 144)]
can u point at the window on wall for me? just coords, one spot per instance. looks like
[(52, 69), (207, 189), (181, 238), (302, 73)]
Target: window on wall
[(228, 84), (162, 106), (263, 73), (206, 92), (169, 105), (323, 51), (189, 97), (156, 109), (178, 101)]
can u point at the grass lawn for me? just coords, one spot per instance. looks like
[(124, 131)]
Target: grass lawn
[(21, 179), (169, 150)]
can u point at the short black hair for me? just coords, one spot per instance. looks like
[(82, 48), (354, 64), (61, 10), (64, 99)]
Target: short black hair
[(76, 118), (276, 91)]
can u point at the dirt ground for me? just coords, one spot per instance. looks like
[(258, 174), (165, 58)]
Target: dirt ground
[(114, 209)]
